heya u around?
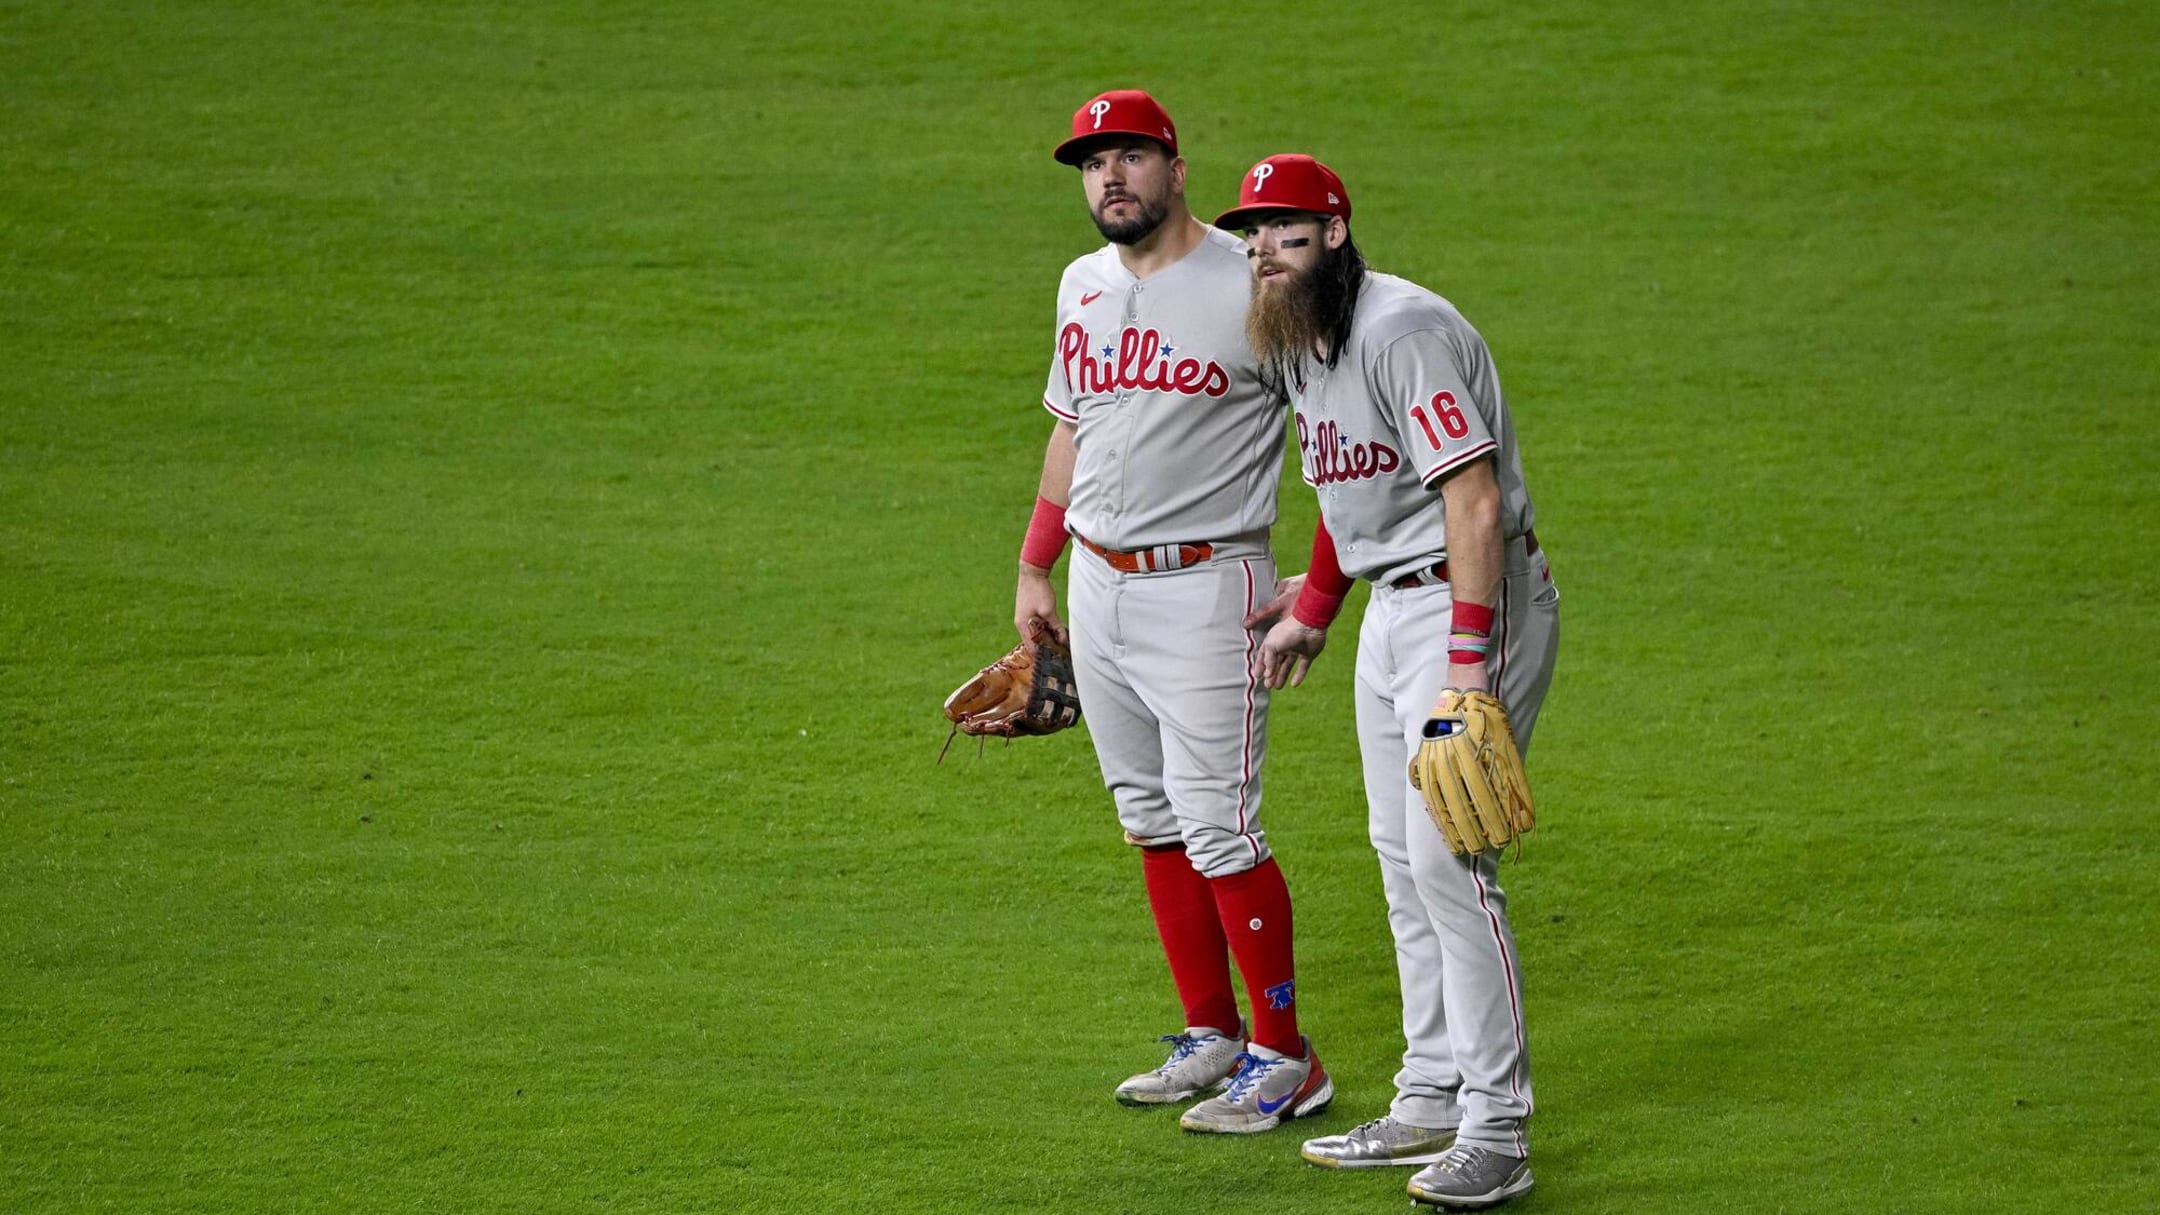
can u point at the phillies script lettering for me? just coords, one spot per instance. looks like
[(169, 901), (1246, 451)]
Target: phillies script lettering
[(1333, 458), (1138, 361)]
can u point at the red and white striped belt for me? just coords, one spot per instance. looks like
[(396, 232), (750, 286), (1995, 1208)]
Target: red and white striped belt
[(1149, 560)]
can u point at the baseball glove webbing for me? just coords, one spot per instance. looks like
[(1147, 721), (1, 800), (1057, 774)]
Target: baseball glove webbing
[(1030, 690)]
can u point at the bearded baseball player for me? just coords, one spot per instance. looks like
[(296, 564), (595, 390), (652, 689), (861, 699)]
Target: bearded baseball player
[(1404, 434), (1161, 467)]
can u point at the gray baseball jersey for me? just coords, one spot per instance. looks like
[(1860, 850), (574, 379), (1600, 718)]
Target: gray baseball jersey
[(1413, 396), (1176, 439)]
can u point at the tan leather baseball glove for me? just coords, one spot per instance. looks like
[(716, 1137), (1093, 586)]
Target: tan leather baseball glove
[(1471, 774), (1029, 691)]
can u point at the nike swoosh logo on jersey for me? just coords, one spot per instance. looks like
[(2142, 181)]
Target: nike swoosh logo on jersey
[(1090, 298)]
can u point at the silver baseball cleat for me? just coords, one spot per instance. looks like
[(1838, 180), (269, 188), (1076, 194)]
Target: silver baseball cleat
[(1469, 1178), (1381, 1143)]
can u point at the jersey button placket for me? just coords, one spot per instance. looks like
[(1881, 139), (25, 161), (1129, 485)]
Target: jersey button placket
[(1121, 408), (1125, 395)]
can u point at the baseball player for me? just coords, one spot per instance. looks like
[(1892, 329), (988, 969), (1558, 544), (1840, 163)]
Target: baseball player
[(1161, 467), (1404, 434)]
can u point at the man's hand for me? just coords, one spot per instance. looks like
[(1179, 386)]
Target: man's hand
[(1288, 652), (1035, 607), (1286, 593)]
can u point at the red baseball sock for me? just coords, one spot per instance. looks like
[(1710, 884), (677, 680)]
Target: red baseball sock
[(1255, 910), (1192, 937)]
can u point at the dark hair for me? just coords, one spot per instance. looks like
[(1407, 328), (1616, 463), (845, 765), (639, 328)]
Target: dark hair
[(1336, 293), (1317, 306)]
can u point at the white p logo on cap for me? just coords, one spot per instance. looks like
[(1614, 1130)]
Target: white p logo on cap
[(1260, 174), (1098, 108)]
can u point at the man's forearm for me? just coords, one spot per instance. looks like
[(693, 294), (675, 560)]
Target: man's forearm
[(1475, 548), (1046, 528), (1476, 563)]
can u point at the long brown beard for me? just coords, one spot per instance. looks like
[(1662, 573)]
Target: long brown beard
[(1284, 323), (1295, 316)]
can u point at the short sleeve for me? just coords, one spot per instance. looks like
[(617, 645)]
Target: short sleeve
[(1418, 382), (1057, 392)]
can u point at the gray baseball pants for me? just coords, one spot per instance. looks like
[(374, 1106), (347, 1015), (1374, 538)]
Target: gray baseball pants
[(1466, 1059), (1179, 723)]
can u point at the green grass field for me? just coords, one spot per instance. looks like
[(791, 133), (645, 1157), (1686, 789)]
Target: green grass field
[(492, 495)]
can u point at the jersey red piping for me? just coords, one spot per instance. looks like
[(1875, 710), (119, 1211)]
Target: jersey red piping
[(1427, 478)]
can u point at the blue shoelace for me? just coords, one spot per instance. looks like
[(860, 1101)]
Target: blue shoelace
[(1251, 1069), (1183, 1045)]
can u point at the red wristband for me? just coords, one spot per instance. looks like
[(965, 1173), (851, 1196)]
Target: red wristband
[(1326, 586), (1046, 537), (1471, 624), (1470, 618), (1315, 610)]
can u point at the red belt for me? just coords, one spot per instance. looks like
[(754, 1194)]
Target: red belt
[(1148, 560), (1436, 574)]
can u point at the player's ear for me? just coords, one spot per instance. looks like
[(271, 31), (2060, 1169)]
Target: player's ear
[(1177, 176), (1338, 232)]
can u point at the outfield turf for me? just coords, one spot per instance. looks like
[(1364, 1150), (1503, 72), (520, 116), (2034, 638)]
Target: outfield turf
[(491, 496)]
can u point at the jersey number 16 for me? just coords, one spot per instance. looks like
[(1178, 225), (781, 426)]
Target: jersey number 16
[(1451, 419)]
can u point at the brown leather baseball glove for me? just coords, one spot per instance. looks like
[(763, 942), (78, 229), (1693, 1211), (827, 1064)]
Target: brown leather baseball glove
[(1471, 774), (1028, 691)]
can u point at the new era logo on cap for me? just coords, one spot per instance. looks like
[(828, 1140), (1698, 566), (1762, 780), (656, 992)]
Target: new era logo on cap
[(1117, 112)]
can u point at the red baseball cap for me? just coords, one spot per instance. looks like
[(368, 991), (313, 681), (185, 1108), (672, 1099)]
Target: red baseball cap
[(1117, 112), (1290, 182)]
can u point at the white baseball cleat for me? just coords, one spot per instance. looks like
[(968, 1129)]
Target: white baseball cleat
[(1200, 1059), (1381, 1143), (1266, 1090)]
